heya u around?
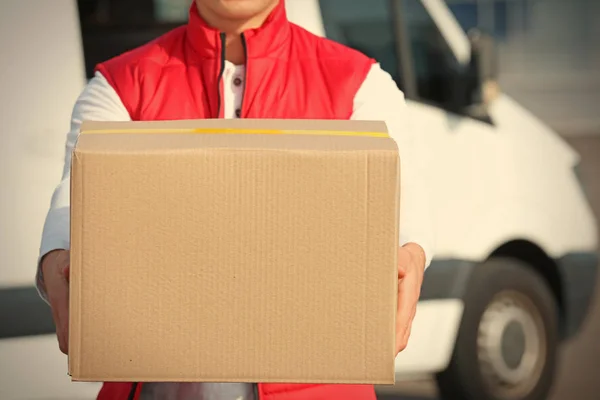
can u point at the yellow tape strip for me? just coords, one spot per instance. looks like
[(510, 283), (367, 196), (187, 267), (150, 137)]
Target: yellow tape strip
[(238, 131)]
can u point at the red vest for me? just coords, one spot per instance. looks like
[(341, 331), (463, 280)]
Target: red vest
[(290, 74)]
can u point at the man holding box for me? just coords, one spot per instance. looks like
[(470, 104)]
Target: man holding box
[(242, 59)]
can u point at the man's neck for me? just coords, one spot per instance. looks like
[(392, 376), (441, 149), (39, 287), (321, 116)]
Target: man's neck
[(234, 51)]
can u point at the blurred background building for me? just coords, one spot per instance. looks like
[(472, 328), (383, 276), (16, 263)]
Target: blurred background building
[(549, 56)]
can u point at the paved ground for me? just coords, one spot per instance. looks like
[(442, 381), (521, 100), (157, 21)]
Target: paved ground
[(579, 372)]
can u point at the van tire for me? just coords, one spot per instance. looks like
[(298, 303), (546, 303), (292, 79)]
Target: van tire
[(505, 300)]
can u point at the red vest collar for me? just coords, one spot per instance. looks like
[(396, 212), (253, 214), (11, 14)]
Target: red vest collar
[(267, 41)]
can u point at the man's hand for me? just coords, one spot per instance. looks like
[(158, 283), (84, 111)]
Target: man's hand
[(55, 269), (411, 265)]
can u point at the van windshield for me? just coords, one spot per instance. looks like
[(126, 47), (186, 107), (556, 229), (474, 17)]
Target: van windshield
[(377, 27), (367, 26)]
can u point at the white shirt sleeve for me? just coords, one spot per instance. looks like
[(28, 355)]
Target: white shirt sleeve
[(379, 99), (98, 102)]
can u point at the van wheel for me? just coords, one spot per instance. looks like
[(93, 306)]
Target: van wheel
[(508, 338)]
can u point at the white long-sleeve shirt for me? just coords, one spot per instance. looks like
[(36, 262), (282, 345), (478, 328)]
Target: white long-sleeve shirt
[(377, 99)]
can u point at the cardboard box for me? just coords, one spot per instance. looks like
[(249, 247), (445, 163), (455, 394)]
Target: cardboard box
[(234, 251)]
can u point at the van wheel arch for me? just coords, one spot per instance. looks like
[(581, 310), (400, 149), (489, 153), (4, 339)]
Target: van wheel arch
[(534, 257)]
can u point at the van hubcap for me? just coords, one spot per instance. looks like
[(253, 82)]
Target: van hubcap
[(511, 346)]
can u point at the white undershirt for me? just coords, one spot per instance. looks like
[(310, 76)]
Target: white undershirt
[(233, 86)]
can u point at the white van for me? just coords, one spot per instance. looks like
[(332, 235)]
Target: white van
[(515, 265)]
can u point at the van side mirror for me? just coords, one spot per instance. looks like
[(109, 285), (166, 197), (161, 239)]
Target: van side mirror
[(483, 72)]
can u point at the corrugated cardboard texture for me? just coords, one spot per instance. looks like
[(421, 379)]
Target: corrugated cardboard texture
[(233, 257)]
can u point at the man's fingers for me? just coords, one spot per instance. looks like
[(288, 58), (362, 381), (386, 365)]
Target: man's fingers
[(407, 331), (63, 320), (58, 296), (407, 302), (410, 278), (403, 316), (56, 278)]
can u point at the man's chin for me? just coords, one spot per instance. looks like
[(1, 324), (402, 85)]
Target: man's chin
[(241, 9)]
